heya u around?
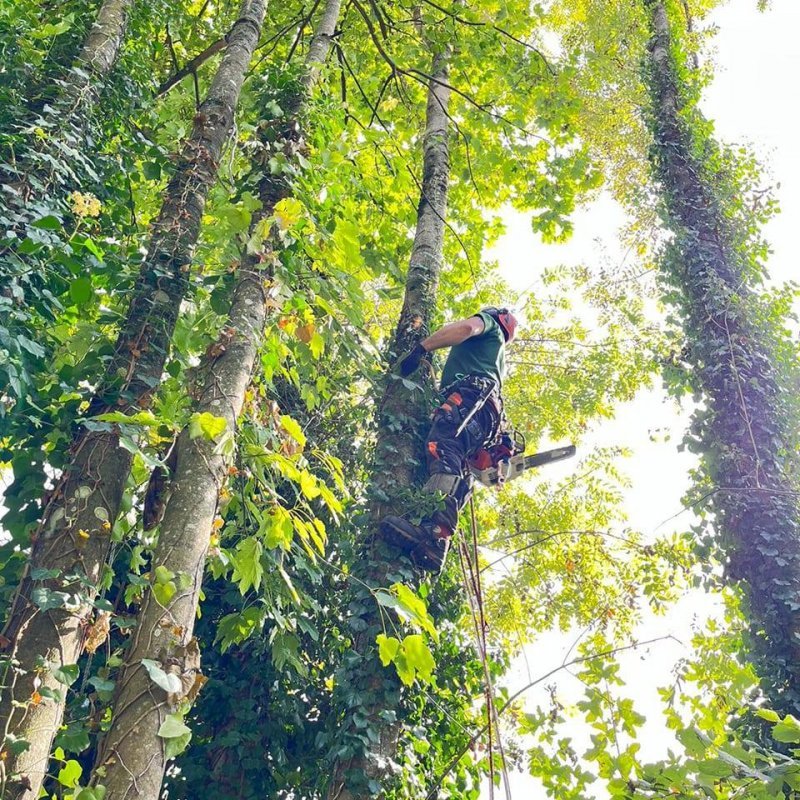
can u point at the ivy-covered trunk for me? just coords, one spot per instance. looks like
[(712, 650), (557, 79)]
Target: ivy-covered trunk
[(743, 433), (369, 694), (70, 549), (147, 722), (102, 45)]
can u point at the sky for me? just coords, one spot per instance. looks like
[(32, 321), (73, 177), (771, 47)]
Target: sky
[(757, 63)]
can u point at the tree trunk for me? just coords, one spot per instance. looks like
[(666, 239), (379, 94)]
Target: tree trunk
[(132, 758), (368, 740), (747, 448), (72, 544), (99, 51)]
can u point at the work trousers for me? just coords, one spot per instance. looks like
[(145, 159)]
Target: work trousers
[(448, 454)]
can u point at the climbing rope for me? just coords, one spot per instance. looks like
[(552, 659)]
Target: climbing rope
[(472, 584)]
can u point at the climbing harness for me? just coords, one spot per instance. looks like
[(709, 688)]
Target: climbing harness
[(487, 390)]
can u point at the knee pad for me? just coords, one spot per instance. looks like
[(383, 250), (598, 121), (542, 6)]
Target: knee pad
[(454, 486), (442, 482)]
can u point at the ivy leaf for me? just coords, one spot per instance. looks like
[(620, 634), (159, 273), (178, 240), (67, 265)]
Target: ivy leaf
[(91, 793), (404, 670), (164, 592), (151, 170), (170, 683), (14, 745), (48, 223), (70, 774), (146, 417), (172, 727), (73, 738), (66, 673), (163, 574), (206, 425), (235, 628)]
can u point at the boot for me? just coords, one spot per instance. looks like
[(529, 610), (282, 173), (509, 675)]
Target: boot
[(426, 544)]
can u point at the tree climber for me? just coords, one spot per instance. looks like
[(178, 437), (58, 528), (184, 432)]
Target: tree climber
[(469, 427)]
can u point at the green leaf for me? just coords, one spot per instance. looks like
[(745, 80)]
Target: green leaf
[(419, 656), (66, 673), (415, 609), (288, 581), (162, 574), (388, 647), (316, 345), (248, 570), (235, 628), (14, 745), (151, 170), (286, 650), (102, 685), (41, 574), (48, 223), (404, 670), (51, 29), (308, 485), (293, 429), (91, 793), (206, 425), (70, 774), (787, 730), (177, 744), (80, 290), (277, 528), (73, 738), (172, 727), (139, 418), (164, 592)]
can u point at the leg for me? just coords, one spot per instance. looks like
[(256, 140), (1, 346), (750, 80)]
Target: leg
[(446, 454)]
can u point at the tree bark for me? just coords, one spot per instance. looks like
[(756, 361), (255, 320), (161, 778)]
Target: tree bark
[(102, 45), (367, 742), (746, 442), (132, 758), (72, 545)]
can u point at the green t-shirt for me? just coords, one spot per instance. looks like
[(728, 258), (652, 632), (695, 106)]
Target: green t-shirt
[(482, 355)]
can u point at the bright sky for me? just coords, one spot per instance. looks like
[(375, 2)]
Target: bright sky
[(757, 60)]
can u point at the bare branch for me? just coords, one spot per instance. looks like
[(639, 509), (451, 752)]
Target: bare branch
[(192, 66)]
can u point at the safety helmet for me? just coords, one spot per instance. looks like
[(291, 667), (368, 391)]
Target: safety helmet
[(505, 319)]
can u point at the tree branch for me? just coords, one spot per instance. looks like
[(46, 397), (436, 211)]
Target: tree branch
[(192, 66), (580, 660), (501, 31)]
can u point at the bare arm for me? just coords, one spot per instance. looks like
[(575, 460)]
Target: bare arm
[(453, 333)]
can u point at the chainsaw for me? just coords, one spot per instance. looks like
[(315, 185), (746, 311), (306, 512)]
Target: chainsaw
[(510, 468)]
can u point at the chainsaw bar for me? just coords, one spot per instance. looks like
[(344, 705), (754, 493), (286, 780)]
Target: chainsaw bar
[(516, 465)]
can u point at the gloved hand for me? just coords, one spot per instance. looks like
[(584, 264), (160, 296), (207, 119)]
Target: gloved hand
[(410, 361), (504, 449)]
